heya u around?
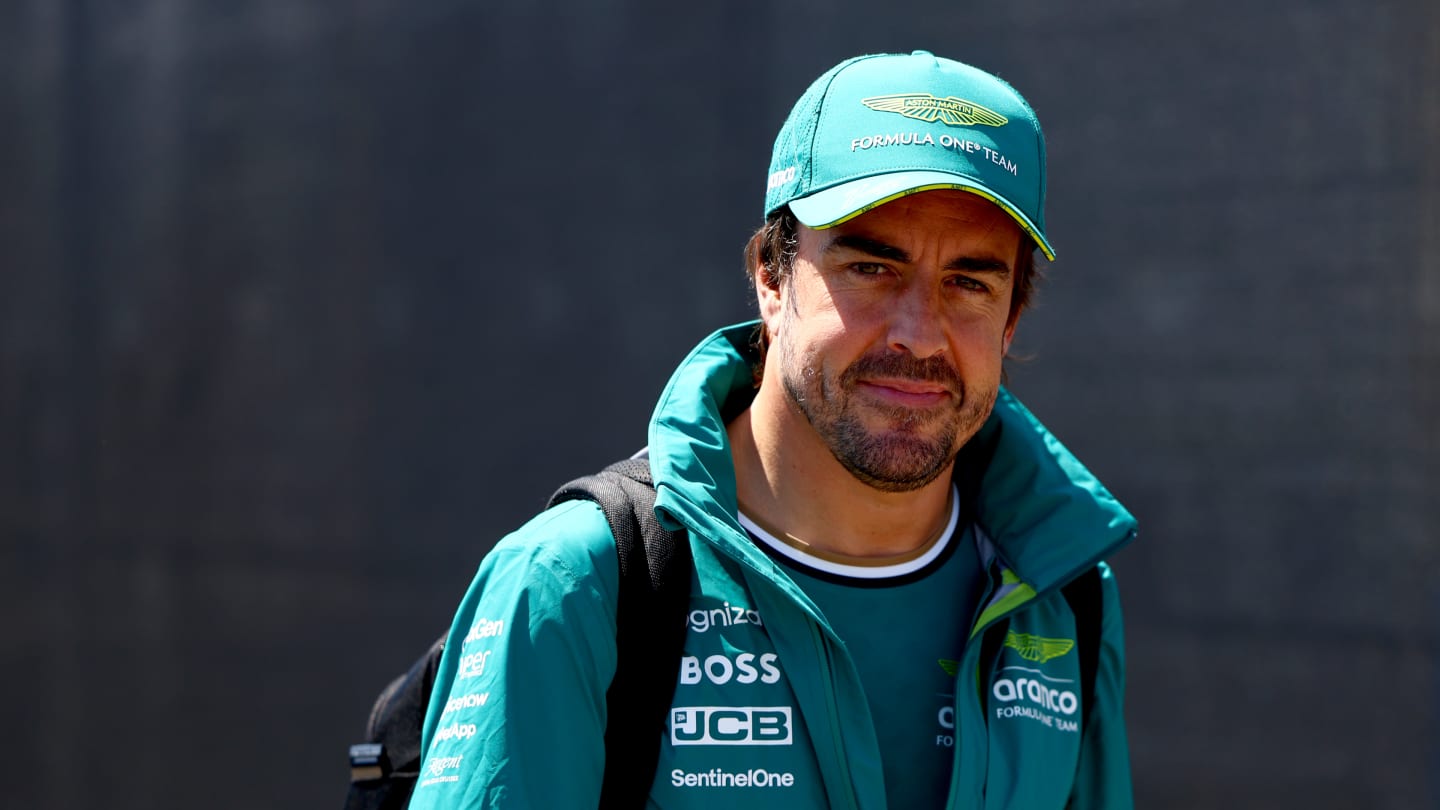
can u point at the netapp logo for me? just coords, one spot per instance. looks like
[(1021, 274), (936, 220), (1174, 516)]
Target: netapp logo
[(456, 731), (730, 725)]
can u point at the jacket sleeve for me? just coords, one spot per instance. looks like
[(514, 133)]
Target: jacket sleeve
[(517, 716), (1102, 778)]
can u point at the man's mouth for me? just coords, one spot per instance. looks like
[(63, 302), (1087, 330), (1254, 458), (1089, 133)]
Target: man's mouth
[(905, 392)]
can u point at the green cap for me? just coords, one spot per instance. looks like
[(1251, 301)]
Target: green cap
[(875, 128)]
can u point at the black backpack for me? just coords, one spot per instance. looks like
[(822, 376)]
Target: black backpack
[(654, 594)]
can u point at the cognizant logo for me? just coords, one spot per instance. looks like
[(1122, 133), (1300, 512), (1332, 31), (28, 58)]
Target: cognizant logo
[(727, 615)]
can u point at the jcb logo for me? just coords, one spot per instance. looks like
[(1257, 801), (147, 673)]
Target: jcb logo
[(730, 725)]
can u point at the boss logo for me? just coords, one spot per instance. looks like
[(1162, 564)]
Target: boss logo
[(720, 669), (730, 725)]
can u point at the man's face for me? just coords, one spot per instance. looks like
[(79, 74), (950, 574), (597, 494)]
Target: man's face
[(890, 332)]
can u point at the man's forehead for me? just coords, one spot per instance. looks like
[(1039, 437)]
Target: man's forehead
[(946, 211), (949, 202)]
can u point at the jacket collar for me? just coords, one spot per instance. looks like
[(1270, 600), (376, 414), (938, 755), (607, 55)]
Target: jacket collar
[(1046, 517)]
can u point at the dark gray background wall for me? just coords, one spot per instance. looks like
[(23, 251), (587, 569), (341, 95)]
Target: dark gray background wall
[(302, 305)]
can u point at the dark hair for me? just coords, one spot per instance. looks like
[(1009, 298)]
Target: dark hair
[(771, 250), (770, 259)]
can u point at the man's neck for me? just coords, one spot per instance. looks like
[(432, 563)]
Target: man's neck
[(788, 479)]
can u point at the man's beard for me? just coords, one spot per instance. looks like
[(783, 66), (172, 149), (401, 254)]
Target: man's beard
[(913, 446)]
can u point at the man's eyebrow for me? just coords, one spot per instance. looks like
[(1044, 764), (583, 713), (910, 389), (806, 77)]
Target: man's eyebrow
[(883, 250), (865, 244), (975, 264)]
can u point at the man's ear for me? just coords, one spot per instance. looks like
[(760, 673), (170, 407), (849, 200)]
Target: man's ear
[(770, 294), (1009, 335)]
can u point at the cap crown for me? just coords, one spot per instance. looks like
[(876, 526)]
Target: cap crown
[(889, 114)]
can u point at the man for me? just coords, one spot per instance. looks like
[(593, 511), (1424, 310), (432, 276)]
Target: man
[(882, 536)]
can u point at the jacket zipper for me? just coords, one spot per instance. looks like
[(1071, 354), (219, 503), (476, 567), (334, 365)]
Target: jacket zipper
[(970, 683)]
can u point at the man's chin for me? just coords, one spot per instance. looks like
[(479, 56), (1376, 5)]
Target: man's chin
[(923, 423), (898, 461), (897, 480)]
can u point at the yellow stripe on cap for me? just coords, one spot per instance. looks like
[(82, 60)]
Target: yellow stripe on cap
[(1004, 206)]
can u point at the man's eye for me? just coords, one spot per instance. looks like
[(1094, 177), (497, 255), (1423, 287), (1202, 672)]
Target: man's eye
[(868, 268), (965, 282)]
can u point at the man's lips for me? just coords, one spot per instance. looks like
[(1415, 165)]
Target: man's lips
[(911, 393)]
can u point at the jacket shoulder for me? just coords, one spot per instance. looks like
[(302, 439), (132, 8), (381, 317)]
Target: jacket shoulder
[(570, 542), (532, 649)]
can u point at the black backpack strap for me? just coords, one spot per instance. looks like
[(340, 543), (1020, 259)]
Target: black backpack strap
[(1083, 595), (655, 569)]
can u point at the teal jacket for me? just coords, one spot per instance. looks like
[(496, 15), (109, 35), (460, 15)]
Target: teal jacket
[(769, 711)]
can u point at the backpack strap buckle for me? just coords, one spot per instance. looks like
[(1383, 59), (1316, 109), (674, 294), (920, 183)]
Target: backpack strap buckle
[(368, 761)]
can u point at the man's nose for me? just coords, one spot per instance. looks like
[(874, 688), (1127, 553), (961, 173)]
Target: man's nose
[(917, 323)]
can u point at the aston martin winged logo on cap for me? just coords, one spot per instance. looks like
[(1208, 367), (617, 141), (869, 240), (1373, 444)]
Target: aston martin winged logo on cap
[(1037, 649), (957, 112)]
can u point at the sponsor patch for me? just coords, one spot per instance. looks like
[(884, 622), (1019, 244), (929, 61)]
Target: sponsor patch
[(721, 669), (485, 628), (716, 777), (473, 665), (727, 615), (780, 178), (437, 770), (730, 725), (465, 702), (456, 731), (1031, 694)]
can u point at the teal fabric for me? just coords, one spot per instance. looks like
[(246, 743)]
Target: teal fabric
[(771, 709), (906, 635), (877, 127)]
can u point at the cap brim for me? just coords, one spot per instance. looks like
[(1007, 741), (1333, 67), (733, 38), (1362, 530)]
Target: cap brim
[(837, 204)]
